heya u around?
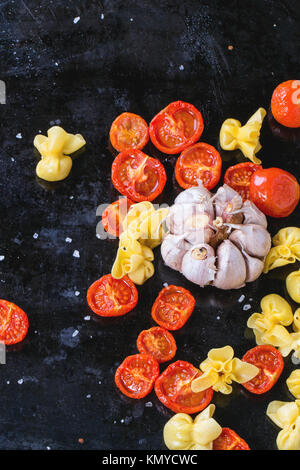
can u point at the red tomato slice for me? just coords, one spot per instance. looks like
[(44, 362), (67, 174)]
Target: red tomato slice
[(114, 214), (274, 191), (229, 440), (269, 360), (138, 176), (136, 375), (157, 342), (173, 389), (173, 307), (176, 127), (238, 177), (129, 131), (198, 162), (13, 323), (285, 103), (109, 297)]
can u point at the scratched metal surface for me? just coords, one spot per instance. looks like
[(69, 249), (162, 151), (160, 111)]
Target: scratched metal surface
[(120, 56)]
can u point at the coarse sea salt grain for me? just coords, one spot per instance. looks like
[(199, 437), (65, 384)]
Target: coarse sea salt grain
[(149, 404), (19, 135), (76, 254), (181, 67), (88, 396), (77, 293), (2, 257), (247, 307), (68, 240), (35, 236), (87, 318), (75, 333), (102, 16), (76, 19), (20, 381), (295, 360), (241, 298), (165, 284)]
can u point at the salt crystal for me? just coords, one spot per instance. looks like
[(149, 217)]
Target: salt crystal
[(35, 236), (149, 404), (48, 448), (19, 135), (88, 396), (68, 240), (87, 318), (247, 307), (20, 381), (77, 293), (2, 258), (242, 298), (76, 254), (295, 360), (181, 67), (76, 19), (71, 197), (75, 333), (8, 382), (165, 284), (102, 16), (218, 318)]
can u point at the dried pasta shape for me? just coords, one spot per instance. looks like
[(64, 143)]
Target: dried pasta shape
[(293, 285), (278, 256), (296, 324), (182, 433), (220, 369), (233, 135), (293, 383), (277, 309)]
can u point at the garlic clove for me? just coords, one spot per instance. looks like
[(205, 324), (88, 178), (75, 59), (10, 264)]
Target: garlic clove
[(254, 239), (173, 248), (198, 264), (197, 194), (231, 267), (254, 267), (252, 215)]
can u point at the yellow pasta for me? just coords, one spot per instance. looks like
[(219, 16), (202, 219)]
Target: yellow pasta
[(234, 136), (296, 324), (286, 248), (55, 164), (293, 383), (220, 369), (182, 433), (143, 231), (293, 285), (286, 415)]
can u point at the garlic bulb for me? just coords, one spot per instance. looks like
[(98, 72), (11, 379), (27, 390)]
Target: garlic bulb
[(200, 223), (198, 264)]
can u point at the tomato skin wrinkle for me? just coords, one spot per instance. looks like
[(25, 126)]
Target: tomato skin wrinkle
[(270, 362), (138, 176), (173, 389), (136, 375), (274, 191), (229, 440), (158, 342), (173, 307), (14, 323), (176, 127), (238, 177), (129, 131), (199, 161), (105, 296)]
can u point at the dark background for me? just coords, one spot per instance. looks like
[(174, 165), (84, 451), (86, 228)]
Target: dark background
[(84, 75)]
